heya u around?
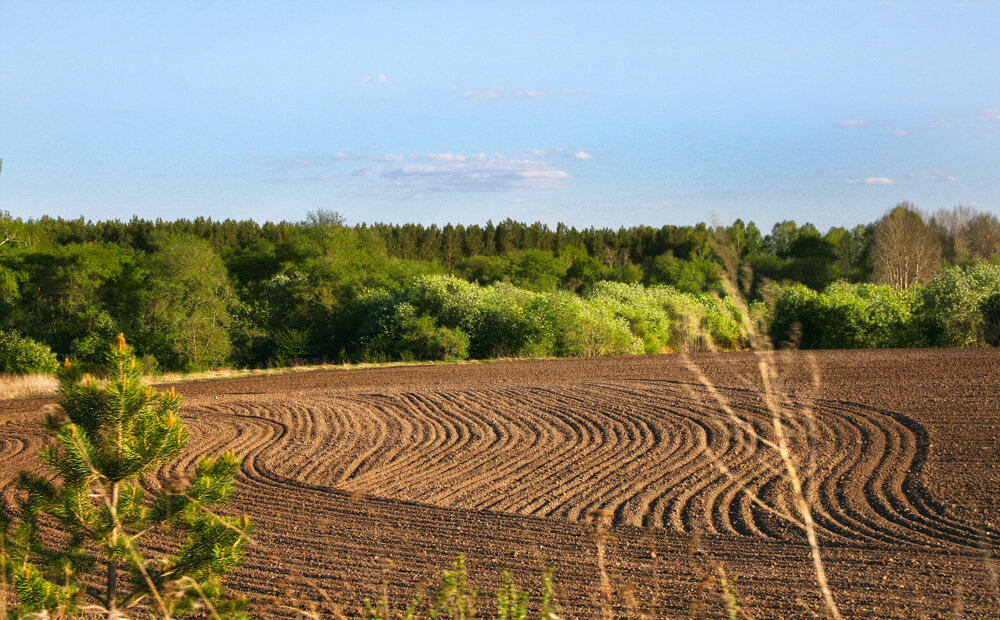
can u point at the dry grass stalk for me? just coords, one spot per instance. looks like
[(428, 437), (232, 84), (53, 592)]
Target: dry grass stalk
[(601, 520), (19, 386), (782, 413)]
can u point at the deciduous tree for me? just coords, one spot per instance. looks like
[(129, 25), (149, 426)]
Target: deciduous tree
[(906, 250)]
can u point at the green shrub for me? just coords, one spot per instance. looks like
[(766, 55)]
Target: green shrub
[(501, 326), (291, 345), (442, 317), (402, 333), (955, 308), (990, 309), (640, 307), (843, 316), (724, 322), (20, 355)]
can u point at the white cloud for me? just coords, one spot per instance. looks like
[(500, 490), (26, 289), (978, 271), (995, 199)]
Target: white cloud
[(933, 175), (871, 181), (381, 77), (446, 157), (666, 204), (898, 132), (493, 94), (990, 115), (854, 124), (419, 169), (580, 154), (468, 175), (388, 157), (983, 121), (391, 175)]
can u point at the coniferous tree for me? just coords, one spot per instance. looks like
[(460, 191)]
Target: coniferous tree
[(109, 435)]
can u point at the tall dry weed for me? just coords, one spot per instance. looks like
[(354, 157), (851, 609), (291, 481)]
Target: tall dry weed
[(787, 415), (19, 386)]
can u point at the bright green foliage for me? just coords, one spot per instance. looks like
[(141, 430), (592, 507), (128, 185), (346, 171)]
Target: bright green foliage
[(957, 307), (20, 355), (63, 294), (442, 317), (664, 319), (405, 334), (512, 604), (202, 293), (688, 276), (990, 308), (844, 316), (455, 599), (108, 436), (531, 269), (185, 315), (730, 596), (549, 609)]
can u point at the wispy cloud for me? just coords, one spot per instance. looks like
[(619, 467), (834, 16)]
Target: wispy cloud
[(491, 174), (983, 121), (381, 77), (494, 94), (854, 124), (579, 154), (897, 132), (666, 204), (933, 175), (291, 163), (990, 116), (416, 175), (871, 181)]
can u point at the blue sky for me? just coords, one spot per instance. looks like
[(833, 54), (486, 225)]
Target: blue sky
[(590, 113)]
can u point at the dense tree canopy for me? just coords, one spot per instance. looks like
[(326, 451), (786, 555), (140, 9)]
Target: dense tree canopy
[(202, 293)]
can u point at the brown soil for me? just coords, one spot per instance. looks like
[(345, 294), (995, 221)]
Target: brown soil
[(370, 481)]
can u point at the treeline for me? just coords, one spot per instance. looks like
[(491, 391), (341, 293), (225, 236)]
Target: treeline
[(195, 294)]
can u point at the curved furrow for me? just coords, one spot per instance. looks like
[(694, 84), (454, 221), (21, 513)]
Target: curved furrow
[(747, 468), (392, 430), (892, 511), (922, 503), (429, 469), (400, 470), (364, 433), (414, 435), (481, 443), (587, 471), (714, 491), (859, 477), (685, 469), (663, 452), (537, 468), (682, 454), (573, 461), (626, 459), (436, 466), (629, 458), (486, 475), (849, 479), (19, 452), (638, 449)]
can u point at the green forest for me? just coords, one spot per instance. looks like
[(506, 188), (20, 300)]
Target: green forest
[(201, 294)]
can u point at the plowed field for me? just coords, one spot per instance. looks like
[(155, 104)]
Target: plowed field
[(369, 481)]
